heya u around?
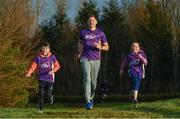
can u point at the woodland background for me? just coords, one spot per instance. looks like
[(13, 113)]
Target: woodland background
[(155, 23)]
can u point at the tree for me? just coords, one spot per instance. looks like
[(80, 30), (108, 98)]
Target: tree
[(112, 22), (173, 10), (88, 8), (15, 28)]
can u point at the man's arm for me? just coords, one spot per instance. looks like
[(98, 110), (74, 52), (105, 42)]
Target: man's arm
[(80, 48), (105, 47)]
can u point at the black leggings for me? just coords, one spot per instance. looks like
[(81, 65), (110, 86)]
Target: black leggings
[(42, 86)]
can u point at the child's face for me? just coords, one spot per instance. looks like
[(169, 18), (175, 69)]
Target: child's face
[(135, 47), (45, 50)]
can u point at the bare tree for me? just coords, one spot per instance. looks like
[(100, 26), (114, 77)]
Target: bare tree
[(173, 9), (15, 22)]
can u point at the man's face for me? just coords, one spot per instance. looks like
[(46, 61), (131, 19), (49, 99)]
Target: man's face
[(92, 22)]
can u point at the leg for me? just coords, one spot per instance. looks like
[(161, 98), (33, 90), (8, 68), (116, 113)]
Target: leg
[(94, 76), (135, 87), (41, 94), (138, 82), (135, 94), (50, 90), (86, 67), (132, 95)]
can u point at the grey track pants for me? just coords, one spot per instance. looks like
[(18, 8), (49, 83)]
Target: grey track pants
[(90, 73)]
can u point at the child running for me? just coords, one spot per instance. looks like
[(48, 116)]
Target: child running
[(46, 64), (136, 60)]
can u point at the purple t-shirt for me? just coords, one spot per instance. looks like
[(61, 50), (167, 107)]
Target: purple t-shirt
[(45, 65), (135, 64), (88, 39)]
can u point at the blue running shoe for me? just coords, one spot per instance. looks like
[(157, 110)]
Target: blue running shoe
[(88, 105), (91, 101)]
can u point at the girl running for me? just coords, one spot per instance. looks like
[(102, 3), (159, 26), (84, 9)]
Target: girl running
[(136, 60)]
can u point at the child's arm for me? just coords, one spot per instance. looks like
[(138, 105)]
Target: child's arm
[(56, 67), (124, 63), (31, 69), (143, 58)]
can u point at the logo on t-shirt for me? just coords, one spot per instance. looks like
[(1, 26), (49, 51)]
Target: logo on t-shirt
[(90, 36), (133, 62), (45, 65)]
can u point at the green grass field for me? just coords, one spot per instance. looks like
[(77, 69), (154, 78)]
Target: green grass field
[(160, 109)]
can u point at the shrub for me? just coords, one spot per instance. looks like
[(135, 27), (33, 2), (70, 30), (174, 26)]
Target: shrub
[(15, 88)]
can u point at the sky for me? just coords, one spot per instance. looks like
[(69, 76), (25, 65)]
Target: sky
[(49, 8)]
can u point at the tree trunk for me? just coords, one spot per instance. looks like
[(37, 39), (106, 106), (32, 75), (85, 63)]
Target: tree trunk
[(175, 72), (175, 60), (152, 71), (120, 82)]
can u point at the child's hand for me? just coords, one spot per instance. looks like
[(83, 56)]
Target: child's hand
[(121, 72), (79, 56), (51, 72), (28, 75)]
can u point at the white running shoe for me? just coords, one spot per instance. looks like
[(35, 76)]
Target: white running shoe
[(40, 111), (52, 100)]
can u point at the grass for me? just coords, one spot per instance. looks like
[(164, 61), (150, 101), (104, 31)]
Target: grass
[(158, 109)]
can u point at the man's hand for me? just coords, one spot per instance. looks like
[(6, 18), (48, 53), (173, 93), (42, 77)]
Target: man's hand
[(98, 45)]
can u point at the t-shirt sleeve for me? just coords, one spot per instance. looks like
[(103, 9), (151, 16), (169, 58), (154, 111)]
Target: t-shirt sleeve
[(56, 63), (54, 59), (143, 54), (103, 38), (36, 60), (143, 57)]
